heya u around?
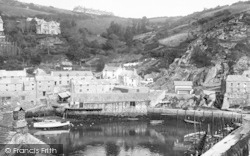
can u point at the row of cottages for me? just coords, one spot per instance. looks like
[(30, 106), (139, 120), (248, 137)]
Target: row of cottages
[(183, 87), (44, 27), (237, 90), (17, 90), (13, 74), (109, 104), (92, 86), (124, 76), (62, 78)]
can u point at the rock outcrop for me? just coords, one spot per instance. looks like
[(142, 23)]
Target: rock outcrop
[(227, 43)]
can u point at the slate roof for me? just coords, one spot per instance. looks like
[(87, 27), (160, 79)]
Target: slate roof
[(110, 97), (96, 82), (183, 83), (237, 78), (110, 68), (44, 78), (9, 73), (72, 73)]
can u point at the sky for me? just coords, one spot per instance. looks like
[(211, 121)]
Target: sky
[(138, 8)]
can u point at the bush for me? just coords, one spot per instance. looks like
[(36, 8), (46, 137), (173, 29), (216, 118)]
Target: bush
[(200, 58)]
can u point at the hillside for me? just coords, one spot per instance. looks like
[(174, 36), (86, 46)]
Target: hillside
[(203, 47)]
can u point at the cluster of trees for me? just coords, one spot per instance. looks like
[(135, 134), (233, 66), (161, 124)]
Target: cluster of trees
[(125, 34)]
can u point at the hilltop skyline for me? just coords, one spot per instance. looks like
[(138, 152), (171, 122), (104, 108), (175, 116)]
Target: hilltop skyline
[(138, 8)]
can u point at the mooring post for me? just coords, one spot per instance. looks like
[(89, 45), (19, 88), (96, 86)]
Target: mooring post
[(194, 115), (177, 114), (212, 117), (185, 114)]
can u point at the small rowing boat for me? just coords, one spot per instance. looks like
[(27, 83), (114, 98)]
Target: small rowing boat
[(155, 122), (192, 121), (51, 124)]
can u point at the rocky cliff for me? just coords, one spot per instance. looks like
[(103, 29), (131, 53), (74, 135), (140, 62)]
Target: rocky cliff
[(220, 47)]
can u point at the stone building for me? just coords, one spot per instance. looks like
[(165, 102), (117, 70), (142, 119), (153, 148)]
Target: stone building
[(63, 78), (111, 72), (237, 91), (183, 87), (109, 104), (92, 86), (44, 27), (13, 74), (2, 36)]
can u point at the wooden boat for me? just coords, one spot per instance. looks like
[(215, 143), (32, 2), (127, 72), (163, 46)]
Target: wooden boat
[(194, 136), (133, 119), (237, 124), (155, 122), (52, 132), (192, 121), (51, 124), (181, 146)]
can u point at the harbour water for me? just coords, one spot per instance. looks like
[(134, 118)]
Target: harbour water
[(168, 137)]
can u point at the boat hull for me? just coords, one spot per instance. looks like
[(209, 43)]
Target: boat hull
[(51, 125)]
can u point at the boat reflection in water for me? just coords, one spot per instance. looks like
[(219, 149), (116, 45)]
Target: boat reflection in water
[(127, 138)]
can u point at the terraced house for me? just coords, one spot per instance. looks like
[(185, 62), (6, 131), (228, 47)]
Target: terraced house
[(237, 90), (63, 78)]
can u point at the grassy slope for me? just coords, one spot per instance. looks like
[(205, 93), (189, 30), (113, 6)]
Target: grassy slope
[(18, 11), (99, 25)]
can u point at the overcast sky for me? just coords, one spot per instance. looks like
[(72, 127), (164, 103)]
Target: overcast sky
[(138, 8)]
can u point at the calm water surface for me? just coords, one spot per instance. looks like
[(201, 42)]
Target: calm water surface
[(133, 138)]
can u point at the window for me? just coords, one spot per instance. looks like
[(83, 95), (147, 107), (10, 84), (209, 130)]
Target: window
[(6, 84), (132, 103), (12, 76), (44, 93), (80, 90), (68, 82), (60, 82), (55, 83), (81, 105), (247, 75), (23, 97), (67, 75), (39, 81), (60, 75), (48, 81)]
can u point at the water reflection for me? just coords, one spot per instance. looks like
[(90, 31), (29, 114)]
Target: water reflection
[(134, 138)]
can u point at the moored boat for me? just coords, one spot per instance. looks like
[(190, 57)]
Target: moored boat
[(192, 121), (51, 132), (51, 124), (155, 122)]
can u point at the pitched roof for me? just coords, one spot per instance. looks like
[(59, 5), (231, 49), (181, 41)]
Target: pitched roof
[(237, 78), (72, 73), (110, 97), (110, 68), (9, 73), (44, 78), (1, 19), (246, 72), (96, 82), (183, 83)]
